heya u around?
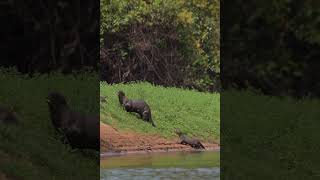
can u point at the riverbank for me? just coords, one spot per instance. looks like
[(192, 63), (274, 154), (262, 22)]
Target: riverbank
[(197, 114), (115, 142)]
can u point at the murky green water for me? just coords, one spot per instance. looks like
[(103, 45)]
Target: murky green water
[(175, 166)]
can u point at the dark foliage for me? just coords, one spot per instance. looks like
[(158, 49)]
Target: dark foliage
[(7, 116), (169, 43), (142, 60), (273, 47), (41, 36)]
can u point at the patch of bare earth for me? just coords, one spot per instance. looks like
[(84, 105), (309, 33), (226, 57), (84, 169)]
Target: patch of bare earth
[(111, 140)]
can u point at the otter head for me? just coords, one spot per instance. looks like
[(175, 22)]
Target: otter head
[(121, 96)]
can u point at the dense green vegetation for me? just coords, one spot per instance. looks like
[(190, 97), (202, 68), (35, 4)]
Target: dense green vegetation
[(267, 42), (29, 150), (279, 137), (44, 36), (195, 113), (176, 41)]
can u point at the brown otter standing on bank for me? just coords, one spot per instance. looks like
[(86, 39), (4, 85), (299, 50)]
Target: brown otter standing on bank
[(195, 143), (137, 106)]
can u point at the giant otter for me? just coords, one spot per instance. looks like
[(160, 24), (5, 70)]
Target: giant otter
[(81, 131), (195, 143), (137, 106)]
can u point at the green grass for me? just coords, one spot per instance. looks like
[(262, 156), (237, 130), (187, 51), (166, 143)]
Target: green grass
[(29, 150), (279, 137), (195, 113)]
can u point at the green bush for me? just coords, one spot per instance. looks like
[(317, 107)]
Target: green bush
[(193, 25), (267, 42)]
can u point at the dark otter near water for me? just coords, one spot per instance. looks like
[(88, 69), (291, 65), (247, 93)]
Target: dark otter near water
[(7, 116), (195, 143), (80, 131), (137, 106)]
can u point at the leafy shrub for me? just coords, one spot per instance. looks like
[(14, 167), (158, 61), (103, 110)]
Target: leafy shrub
[(166, 42)]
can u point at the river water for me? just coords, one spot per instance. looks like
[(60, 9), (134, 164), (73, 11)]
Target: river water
[(162, 166)]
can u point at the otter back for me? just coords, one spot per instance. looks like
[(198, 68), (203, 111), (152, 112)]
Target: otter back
[(140, 107), (137, 106)]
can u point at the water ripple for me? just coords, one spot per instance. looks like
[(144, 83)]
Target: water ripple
[(161, 174)]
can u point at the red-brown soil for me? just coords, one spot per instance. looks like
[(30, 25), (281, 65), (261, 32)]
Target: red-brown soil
[(112, 140)]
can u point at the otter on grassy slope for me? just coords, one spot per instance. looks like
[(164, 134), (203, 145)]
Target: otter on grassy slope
[(80, 130), (137, 106)]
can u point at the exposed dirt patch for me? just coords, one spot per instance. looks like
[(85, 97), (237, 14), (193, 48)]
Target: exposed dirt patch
[(111, 140)]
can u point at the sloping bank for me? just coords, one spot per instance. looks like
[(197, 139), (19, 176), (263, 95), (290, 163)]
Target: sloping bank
[(114, 141), (196, 114)]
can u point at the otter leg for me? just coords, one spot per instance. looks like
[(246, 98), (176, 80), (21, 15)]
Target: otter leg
[(145, 116), (183, 142), (142, 116), (201, 146)]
